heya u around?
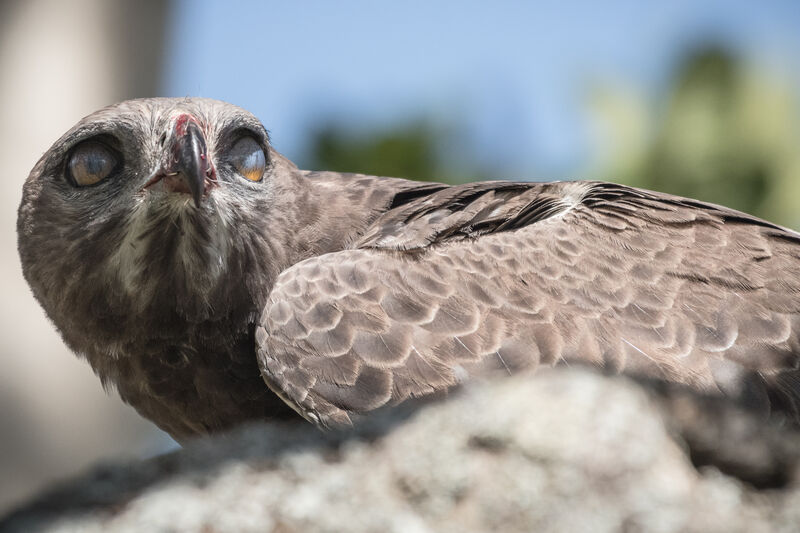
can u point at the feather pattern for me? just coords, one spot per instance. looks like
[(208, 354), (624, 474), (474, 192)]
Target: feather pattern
[(458, 282)]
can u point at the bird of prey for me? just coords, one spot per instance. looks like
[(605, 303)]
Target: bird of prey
[(212, 282)]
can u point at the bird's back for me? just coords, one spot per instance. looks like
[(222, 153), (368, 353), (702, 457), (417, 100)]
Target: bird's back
[(464, 281)]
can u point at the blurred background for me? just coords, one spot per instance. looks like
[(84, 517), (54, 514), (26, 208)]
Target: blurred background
[(696, 99)]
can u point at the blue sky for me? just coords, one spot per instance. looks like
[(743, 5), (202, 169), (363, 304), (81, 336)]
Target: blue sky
[(512, 75)]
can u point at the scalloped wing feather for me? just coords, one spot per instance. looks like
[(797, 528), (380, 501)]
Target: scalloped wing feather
[(459, 282)]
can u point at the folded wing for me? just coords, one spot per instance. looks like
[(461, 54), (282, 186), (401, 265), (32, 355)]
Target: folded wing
[(502, 277)]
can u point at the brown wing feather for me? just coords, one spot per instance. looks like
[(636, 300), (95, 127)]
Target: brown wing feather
[(468, 280)]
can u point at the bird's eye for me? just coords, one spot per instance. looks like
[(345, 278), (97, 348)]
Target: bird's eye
[(248, 158), (90, 163)]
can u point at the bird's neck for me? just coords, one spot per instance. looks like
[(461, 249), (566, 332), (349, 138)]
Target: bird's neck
[(337, 209)]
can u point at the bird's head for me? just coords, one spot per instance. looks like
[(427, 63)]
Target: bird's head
[(152, 208)]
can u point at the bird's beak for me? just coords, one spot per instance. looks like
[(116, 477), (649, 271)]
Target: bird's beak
[(190, 159), (187, 168)]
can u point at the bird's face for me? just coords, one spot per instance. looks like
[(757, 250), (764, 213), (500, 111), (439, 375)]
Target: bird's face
[(147, 207)]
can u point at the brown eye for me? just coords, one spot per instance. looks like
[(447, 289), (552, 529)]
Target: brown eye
[(248, 158), (91, 162)]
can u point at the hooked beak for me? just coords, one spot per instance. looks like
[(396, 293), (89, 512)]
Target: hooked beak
[(191, 160), (188, 169)]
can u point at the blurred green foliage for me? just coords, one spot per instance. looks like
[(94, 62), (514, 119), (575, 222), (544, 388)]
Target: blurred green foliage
[(721, 131), (701, 148), (408, 151)]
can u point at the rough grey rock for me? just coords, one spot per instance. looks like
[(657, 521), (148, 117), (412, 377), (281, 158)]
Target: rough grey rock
[(566, 450)]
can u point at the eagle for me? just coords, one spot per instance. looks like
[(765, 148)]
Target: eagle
[(211, 282)]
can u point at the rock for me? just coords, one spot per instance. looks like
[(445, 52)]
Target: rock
[(565, 450)]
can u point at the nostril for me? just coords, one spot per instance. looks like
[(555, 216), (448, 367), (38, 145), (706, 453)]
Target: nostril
[(162, 139)]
